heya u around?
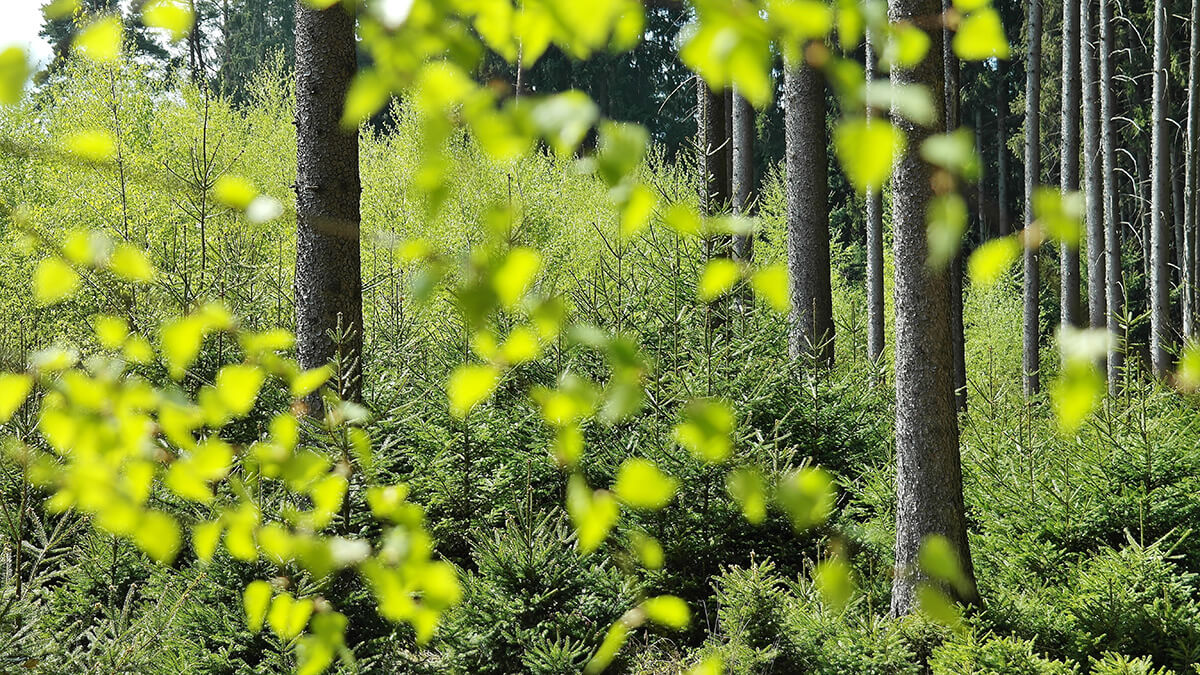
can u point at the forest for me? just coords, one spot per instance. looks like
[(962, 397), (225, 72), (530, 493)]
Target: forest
[(617, 336)]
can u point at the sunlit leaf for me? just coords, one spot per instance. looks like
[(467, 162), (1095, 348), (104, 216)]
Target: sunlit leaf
[(157, 535), (256, 598), (1074, 394), (309, 381), (129, 263), (807, 496), (13, 391), (718, 278), (367, 95), (649, 551), (938, 558), (101, 39), (771, 284), (992, 259), (288, 616), (470, 385), (1060, 215), (234, 191), (636, 209), (748, 487), (621, 149), (936, 605), (614, 639), (867, 151), (945, 223), (667, 610), (954, 152), (206, 537), (642, 485), (834, 581), (14, 73), (592, 513), (93, 145), (54, 281), (980, 36), (907, 47), (237, 387), (564, 119), (706, 429), (173, 15), (911, 101), (516, 274)]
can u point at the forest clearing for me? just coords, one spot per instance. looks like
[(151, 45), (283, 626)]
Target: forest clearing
[(621, 336)]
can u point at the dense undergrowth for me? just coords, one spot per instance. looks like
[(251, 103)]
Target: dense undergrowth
[(1081, 544)]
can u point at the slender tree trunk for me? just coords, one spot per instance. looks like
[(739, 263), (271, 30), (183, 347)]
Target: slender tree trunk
[(1093, 187), (950, 122), (1112, 230), (1177, 198), (1190, 210), (812, 329), (985, 229), (1069, 298), (713, 143), (1160, 235), (743, 172), (929, 499), (1003, 224), (1030, 360), (875, 304), (328, 273)]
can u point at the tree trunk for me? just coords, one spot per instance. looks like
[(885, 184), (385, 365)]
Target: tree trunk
[(1112, 232), (929, 499), (1160, 234), (1191, 165), (713, 143), (1030, 359), (950, 121), (1069, 305), (811, 331), (1093, 187), (875, 304), (1003, 225), (743, 172), (328, 274)]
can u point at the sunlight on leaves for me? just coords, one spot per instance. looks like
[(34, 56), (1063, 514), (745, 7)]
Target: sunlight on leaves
[(835, 582), (749, 489), (93, 145), (771, 284), (705, 430), (980, 36), (667, 610), (13, 391), (14, 73), (867, 151), (515, 275), (470, 385), (101, 40), (992, 260), (641, 485), (592, 513), (945, 223), (807, 497), (718, 278), (54, 281), (172, 15)]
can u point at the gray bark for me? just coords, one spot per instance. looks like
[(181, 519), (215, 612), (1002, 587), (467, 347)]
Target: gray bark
[(1112, 232), (743, 172), (929, 497), (1093, 187), (875, 304), (1030, 359), (328, 268), (1160, 234), (713, 144), (811, 332), (1003, 226), (1190, 178), (1069, 292)]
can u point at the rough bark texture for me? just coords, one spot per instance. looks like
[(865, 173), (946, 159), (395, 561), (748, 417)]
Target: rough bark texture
[(957, 332), (928, 473), (811, 331), (1093, 189), (1003, 224), (1112, 233), (713, 143), (1160, 233), (1030, 358), (1190, 178), (1069, 272), (875, 304), (328, 272), (743, 171)]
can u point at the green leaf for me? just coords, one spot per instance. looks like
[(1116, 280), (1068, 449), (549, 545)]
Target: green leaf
[(54, 281), (955, 152), (181, 340), (637, 206), (807, 496), (14, 389), (748, 488), (938, 558), (234, 191), (945, 223), (706, 429), (592, 513), (667, 610), (980, 36), (172, 15), (641, 485), (309, 381), (256, 598), (470, 385), (622, 146), (1187, 377), (288, 616), (14, 73), (907, 47), (129, 263), (1060, 215), (992, 259), (771, 284), (238, 386), (834, 581), (911, 101), (564, 119), (718, 278), (92, 145), (614, 639), (516, 275), (934, 604), (1075, 394), (101, 39), (867, 151), (367, 95), (157, 535), (205, 538)]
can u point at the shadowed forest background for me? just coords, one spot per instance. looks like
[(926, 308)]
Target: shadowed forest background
[(611, 364)]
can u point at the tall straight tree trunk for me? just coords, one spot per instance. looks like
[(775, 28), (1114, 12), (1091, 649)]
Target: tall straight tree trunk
[(875, 304), (1030, 357), (811, 331), (328, 267), (713, 143), (743, 171), (1190, 209), (950, 122), (985, 229), (1112, 231), (1093, 187), (1003, 224), (1177, 216), (1160, 234), (929, 500), (1069, 305)]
